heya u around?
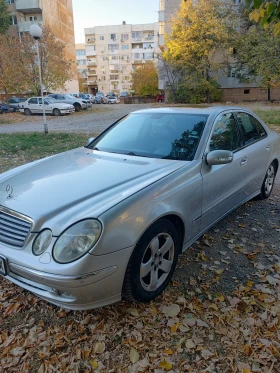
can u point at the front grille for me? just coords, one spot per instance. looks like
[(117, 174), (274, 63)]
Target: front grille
[(14, 227)]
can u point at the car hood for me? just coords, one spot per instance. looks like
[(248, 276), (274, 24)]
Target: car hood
[(59, 190)]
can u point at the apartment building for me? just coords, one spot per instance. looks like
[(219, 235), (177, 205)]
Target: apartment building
[(81, 62), (57, 15), (113, 52)]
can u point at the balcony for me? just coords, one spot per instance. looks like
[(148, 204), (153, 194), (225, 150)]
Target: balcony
[(92, 82), (91, 63), (25, 25), (28, 6)]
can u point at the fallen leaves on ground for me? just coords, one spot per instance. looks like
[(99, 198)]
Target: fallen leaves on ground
[(177, 333)]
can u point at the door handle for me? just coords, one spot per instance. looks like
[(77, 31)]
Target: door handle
[(267, 148), (244, 161)]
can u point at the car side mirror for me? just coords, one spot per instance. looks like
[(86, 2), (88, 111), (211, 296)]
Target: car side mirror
[(216, 157), (89, 141)]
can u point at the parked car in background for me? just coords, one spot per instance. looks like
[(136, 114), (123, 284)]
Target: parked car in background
[(71, 100), (160, 98), (86, 97), (51, 105), (124, 94), (98, 99), (4, 107), (14, 103), (111, 94), (164, 177), (110, 100)]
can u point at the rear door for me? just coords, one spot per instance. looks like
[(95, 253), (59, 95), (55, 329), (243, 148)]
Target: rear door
[(258, 149)]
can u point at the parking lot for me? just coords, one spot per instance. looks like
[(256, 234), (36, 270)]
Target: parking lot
[(91, 121)]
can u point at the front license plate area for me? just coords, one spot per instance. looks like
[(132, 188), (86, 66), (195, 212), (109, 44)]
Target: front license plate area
[(3, 266)]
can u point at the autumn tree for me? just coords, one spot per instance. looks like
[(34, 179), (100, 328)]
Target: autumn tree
[(202, 33), (5, 21), (145, 80), (257, 58), (81, 81), (56, 70), (266, 12), (12, 66)]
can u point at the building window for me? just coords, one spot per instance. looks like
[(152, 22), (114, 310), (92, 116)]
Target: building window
[(124, 37), (246, 91), (10, 1), (32, 18), (101, 37), (80, 52), (81, 62), (148, 45), (113, 47), (13, 20), (136, 35), (113, 37), (91, 40), (124, 47), (148, 56)]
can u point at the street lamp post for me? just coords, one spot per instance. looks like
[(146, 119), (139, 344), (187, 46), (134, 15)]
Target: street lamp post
[(36, 33)]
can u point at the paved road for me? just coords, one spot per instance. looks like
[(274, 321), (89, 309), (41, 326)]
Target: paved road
[(92, 121)]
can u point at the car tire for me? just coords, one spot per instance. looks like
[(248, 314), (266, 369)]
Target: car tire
[(77, 107), (267, 185), (152, 262), (27, 112), (56, 112)]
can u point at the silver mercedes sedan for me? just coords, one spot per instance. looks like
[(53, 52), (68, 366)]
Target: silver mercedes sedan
[(83, 228)]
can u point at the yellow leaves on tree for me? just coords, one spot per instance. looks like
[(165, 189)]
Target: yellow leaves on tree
[(145, 80), (12, 66)]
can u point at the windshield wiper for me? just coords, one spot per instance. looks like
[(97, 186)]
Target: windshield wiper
[(95, 148)]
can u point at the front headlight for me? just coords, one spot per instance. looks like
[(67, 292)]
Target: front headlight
[(76, 241), (42, 242)]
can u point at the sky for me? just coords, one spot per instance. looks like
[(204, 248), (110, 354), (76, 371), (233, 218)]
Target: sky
[(90, 13)]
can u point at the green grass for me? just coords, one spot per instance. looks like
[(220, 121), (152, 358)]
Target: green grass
[(269, 116), (20, 148)]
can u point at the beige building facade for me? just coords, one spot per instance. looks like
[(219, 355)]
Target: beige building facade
[(113, 52), (81, 62), (57, 15)]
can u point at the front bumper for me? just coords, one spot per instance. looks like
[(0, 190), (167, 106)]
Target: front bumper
[(77, 292)]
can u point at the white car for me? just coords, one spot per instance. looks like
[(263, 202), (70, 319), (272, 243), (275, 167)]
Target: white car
[(110, 100), (51, 105)]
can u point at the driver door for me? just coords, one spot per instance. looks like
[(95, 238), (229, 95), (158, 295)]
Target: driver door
[(224, 186)]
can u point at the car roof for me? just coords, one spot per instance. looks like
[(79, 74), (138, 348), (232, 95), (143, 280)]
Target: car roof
[(190, 110)]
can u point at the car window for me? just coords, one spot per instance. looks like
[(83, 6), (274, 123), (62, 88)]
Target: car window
[(251, 129), (59, 97), (33, 101), (155, 135), (225, 135)]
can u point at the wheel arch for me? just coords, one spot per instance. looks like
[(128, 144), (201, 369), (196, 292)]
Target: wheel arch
[(178, 224), (275, 161)]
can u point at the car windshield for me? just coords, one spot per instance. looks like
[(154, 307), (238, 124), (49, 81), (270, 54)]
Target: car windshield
[(51, 100), (154, 135), (69, 96)]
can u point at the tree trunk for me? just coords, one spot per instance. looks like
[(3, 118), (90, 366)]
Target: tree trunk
[(6, 95), (268, 94), (207, 90)]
